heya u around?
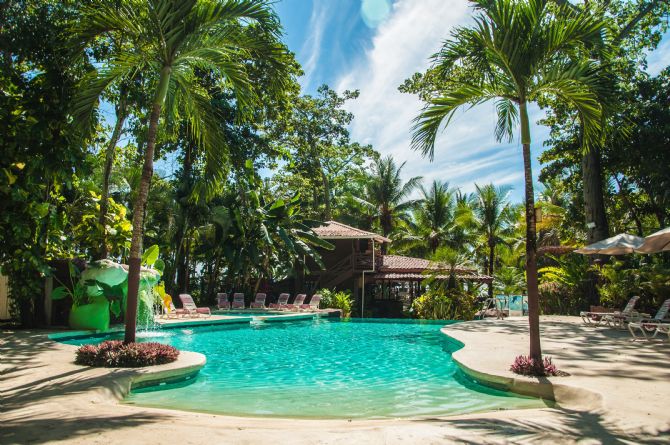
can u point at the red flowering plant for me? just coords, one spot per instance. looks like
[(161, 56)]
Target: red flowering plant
[(525, 365), (113, 354)]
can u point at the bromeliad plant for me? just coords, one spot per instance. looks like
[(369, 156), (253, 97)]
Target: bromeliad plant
[(525, 365), (113, 354)]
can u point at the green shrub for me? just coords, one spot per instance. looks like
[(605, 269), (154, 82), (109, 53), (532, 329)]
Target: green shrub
[(617, 284), (445, 304), (563, 288), (332, 299)]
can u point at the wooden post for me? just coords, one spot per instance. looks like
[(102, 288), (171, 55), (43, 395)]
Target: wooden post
[(48, 287)]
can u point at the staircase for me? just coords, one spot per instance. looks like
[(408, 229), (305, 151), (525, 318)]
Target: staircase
[(340, 271)]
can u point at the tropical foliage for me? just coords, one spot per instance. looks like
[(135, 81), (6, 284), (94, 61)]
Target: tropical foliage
[(336, 300), (182, 124)]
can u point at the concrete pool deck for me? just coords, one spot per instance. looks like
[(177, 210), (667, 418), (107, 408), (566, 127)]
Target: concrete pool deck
[(618, 392)]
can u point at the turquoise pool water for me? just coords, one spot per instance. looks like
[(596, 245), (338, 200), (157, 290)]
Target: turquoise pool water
[(324, 369)]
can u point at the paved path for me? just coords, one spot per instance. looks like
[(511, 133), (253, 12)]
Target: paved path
[(45, 398)]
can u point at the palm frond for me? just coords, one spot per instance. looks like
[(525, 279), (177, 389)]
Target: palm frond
[(439, 113), (508, 118)]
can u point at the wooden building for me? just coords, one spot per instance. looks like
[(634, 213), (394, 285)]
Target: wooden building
[(356, 263)]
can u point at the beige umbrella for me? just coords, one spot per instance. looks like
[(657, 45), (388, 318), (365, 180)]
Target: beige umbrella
[(617, 245), (656, 242)]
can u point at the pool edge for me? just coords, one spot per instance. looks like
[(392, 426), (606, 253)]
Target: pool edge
[(563, 395)]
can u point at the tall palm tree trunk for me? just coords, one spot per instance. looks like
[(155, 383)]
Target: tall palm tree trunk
[(492, 251), (531, 249), (135, 259), (109, 161), (183, 250)]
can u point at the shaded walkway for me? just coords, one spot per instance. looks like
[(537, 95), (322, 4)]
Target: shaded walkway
[(47, 399)]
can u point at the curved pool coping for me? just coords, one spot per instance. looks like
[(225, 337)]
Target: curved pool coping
[(547, 388), (120, 381), (123, 380)]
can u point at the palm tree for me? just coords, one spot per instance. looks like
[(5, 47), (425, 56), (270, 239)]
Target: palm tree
[(435, 214), (121, 110), (386, 195), (517, 52), (173, 41), (491, 215)]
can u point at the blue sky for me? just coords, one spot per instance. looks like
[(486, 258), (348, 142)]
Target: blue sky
[(372, 46)]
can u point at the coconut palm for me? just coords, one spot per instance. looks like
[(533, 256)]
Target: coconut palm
[(516, 53), (435, 213), (491, 216), (387, 196), (174, 41)]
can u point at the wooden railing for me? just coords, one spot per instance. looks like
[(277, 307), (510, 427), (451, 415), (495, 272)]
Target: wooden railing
[(363, 261)]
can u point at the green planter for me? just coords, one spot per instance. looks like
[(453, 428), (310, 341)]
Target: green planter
[(94, 316)]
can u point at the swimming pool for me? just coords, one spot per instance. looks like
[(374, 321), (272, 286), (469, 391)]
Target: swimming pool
[(324, 369)]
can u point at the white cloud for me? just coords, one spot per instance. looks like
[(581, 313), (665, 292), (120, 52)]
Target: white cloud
[(467, 152), (311, 48), (659, 59)]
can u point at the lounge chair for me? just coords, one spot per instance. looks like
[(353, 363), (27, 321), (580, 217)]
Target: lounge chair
[(281, 302), (599, 317), (188, 304), (313, 303), (259, 301), (650, 325), (299, 300), (663, 328), (222, 301), (238, 301), (169, 311)]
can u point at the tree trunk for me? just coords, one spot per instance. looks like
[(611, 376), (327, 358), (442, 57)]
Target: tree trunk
[(109, 162), (594, 203), (326, 196), (181, 265), (386, 225), (135, 259), (531, 250), (492, 248), (594, 211), (214, 277)]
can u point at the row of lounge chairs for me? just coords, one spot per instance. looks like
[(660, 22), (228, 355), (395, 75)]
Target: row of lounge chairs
[(282, 303), (190, 309), (637, 323)]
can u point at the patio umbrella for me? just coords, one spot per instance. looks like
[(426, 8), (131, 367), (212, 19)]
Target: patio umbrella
[(616, 245), (656, 242)]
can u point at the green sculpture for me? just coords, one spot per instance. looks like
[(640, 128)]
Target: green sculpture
[(103, 287)]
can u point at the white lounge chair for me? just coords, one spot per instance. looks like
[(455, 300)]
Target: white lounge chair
[(594, 318), (663, 328), (222, 300), (313, 303), (299, 300), (281, 302), (238, 301), (259, 301), (652, 325), (195, 311)]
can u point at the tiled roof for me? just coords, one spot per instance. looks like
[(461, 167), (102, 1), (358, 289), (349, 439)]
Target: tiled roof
[(336, 230), (406, 264), (418, 276)]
